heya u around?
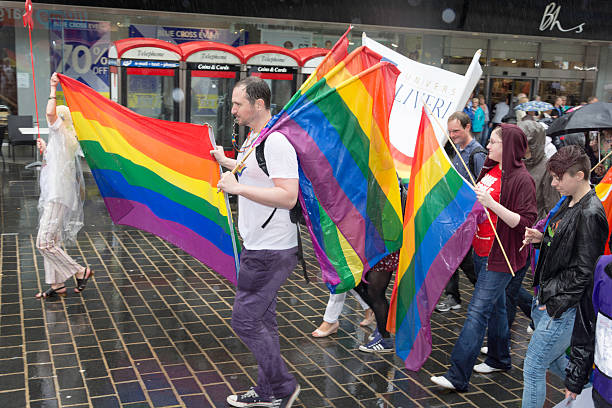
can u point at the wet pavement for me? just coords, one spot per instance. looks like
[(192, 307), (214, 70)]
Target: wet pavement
[(153, 329)]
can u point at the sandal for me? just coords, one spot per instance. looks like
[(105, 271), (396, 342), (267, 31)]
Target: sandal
[(51, 293), (82, 283)]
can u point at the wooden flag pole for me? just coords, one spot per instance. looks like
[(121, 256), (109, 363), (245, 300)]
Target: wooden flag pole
[(473, 183)]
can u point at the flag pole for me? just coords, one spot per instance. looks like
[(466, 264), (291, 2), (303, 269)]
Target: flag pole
[(29, 22), (602, 160), (473, 183), (230, 220)]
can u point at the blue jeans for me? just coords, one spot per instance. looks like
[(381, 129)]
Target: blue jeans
[(487, 309), (546, 351)]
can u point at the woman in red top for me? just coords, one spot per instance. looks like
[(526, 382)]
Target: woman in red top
[(507, 191)]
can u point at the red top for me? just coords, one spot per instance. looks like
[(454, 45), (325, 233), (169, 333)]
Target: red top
[(483, 240)]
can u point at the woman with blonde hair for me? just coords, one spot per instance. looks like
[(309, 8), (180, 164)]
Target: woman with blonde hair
[(60, 206)]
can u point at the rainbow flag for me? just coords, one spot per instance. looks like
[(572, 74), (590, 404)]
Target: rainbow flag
[(338, 52), (348, 185), (157, 176), (439, 225), (603, 190)]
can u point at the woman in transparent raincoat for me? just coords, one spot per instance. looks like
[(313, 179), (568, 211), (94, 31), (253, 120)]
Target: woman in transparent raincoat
[(60, 207)]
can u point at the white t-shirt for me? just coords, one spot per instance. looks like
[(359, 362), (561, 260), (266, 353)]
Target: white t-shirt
[(281, 161)]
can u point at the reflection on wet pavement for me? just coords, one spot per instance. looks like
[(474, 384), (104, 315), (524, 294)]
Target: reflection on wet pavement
[(153, 329)]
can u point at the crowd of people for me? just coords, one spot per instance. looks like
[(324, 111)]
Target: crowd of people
[(541, 204)]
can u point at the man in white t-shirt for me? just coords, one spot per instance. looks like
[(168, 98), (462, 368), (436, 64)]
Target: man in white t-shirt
[(269, 243)]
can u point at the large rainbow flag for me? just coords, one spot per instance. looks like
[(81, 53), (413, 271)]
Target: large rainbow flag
[(603, 190), (348, 185), (439, 225), (156, 175)]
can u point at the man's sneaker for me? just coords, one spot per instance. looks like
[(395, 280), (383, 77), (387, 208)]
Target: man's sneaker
[(249, 399), (378, 345), (448, 304), (287, 401), (374, 334), (484, 368)]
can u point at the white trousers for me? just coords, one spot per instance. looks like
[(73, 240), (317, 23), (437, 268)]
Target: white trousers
[(335, 304), (59, 266)]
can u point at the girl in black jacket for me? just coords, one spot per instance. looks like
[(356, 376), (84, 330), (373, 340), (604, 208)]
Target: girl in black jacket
[(573, 239)]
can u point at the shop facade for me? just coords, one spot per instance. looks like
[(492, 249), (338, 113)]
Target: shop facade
[(534, 47)]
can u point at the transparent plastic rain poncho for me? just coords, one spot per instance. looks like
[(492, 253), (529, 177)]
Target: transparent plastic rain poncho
[(61, 177)]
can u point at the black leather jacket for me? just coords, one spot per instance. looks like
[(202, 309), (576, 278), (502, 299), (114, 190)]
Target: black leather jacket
[(565, 276), (565, 271)]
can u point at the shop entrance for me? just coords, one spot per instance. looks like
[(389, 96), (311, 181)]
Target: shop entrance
[(501, 87)]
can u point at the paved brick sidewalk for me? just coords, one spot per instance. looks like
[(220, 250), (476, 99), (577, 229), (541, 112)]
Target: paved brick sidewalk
[(153, 329)]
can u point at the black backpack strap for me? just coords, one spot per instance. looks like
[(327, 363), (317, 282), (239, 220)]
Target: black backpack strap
[(471, 159), (261, 162), (301, 253)]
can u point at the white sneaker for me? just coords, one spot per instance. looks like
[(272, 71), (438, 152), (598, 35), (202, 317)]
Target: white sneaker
[(529, 330), (484, 368), (442, 382), (484, 350)]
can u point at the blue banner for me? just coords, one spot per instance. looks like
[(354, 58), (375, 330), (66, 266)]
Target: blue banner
[(79, 49)]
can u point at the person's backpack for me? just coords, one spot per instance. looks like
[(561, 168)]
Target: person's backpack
[(295, 214), (471, 164)]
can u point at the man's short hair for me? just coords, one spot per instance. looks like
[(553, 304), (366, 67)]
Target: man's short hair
[(569, 159), (256, 88), (462, 117)]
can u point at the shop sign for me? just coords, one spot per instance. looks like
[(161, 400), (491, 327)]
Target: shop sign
[(179, 35), (79, 49), (550, 20)]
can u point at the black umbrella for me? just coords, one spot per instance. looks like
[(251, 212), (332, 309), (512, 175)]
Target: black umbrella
[(596, 116)]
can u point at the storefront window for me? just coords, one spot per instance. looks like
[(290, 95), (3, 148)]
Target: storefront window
[(562, 56), (8, 72), (549, 90), (513, 53), (460, 50)]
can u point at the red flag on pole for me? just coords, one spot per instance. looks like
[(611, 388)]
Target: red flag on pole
[(27, 16)]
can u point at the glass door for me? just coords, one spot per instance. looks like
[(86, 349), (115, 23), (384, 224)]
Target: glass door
[(149, 92), (210, 101), (500, 88)]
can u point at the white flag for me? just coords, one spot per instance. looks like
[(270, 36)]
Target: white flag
[(443, 91)]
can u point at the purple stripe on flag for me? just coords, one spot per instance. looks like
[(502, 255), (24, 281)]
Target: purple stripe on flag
[(438, 275), (319, 171), (135, 214)]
